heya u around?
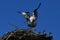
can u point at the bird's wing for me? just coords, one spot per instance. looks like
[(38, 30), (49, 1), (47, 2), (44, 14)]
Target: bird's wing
[(27, 16), (38, 7), (35, 13)]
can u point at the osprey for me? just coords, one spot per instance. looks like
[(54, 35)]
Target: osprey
[(31, 19)]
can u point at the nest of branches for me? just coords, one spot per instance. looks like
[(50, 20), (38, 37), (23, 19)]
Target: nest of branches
[(22, 34)]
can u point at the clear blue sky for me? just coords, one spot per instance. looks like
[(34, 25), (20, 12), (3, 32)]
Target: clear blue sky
[(49, 15)]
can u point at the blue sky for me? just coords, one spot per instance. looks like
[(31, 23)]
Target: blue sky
[(48, 15)]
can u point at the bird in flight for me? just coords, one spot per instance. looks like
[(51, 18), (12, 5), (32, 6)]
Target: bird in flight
[(31, 19)]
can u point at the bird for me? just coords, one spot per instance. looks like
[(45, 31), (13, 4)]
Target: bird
[(31, 19)]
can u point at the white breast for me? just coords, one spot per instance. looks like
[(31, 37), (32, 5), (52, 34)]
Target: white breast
[(32, 18)]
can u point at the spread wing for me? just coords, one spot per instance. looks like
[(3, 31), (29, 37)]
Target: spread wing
[(25, 14), (35, 13)]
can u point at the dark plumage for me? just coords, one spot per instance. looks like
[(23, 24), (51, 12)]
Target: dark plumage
[(31, 19)]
